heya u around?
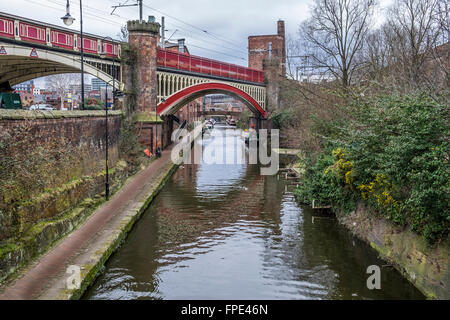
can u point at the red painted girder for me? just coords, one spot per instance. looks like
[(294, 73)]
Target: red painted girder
[(190, 91)]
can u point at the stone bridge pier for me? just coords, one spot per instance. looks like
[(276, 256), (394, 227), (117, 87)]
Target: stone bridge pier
[(139, 74)]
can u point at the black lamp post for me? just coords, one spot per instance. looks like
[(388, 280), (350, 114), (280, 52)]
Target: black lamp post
[(68, 20), (114, 94), (103, 54), (107, 141)]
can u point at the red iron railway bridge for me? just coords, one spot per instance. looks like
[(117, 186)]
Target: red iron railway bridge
[(30, 49)]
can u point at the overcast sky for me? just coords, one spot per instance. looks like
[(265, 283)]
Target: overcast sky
[(228, 23)]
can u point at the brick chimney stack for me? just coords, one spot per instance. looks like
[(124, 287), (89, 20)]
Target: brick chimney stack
[(268, 53), (282, 34), (281, 31)]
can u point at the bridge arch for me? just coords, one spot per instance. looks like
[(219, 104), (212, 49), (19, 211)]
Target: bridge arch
[(19, 65), (177, 100)]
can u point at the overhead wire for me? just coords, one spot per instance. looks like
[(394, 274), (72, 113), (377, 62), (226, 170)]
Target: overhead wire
[(199, 30), (195, 27), (88, 11), (212, 50), (225, 47), (194, 40)]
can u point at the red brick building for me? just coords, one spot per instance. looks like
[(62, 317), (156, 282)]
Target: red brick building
[(27, 98), (263, 48), (176, 47), (189, 112)]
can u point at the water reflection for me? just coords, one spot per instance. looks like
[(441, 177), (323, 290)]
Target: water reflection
[(225, 232)]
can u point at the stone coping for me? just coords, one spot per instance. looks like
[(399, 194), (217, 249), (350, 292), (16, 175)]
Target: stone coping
[(144, 26), (148, 117), (15, 114)]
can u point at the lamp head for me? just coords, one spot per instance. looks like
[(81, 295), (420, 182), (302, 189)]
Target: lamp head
[(68, 19)]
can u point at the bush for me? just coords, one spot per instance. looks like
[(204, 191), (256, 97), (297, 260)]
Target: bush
[(323, 187), (93, 107), (29, 164), (393, 153), (244, 119), (130, 148), (283, 118)]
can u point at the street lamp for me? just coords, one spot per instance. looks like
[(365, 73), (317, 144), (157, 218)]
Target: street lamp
[(103, 54), (68, 20), (114, 94), (107, 140)]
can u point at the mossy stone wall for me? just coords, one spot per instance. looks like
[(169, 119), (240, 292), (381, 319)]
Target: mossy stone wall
[(427, 267)]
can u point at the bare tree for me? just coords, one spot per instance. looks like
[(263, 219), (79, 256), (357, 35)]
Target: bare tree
[(335, 34), (441, 51), (60, 83), (292, 52), (442, 17), (123, 34), (375, 55)]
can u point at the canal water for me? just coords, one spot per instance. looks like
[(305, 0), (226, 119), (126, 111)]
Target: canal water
[(223, 231)]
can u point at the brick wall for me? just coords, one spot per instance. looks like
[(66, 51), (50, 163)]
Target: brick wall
[(150, 135), (258, 47), (274, 66), (84, 130), (81, 134)]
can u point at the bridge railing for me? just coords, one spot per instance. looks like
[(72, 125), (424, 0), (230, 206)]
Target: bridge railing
[(191, 63)]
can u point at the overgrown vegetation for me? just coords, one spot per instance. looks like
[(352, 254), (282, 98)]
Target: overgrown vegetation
[(130, 149), (391, 152), (30, 163), (372, 116), (244, 119), (130, 60), (35, 164)]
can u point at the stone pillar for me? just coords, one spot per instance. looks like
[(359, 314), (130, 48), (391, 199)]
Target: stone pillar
[(167, 131), (143, 40), (272, 76), (141, 81)]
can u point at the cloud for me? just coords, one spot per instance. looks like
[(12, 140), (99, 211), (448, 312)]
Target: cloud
[(228, 23)]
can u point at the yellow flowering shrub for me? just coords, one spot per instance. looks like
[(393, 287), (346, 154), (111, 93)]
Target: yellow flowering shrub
[(342, 168), (380, 190)]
